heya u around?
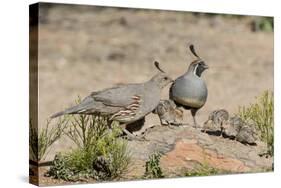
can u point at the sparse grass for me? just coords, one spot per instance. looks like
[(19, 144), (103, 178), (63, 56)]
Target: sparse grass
[(204, 170), (264, 24), (84, 130), (258, 23), (152, 166), (40, 140), (261, 113), (100, 153)]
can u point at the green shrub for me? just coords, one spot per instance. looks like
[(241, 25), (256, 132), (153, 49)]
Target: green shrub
[(258, 23), (264, 24), (152, 166), (59, 170), (203, 170), (261, 113), (41, 140), (100, 153), (84, 130)]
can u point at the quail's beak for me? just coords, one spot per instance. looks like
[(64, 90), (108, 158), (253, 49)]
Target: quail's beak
[(206, 66)]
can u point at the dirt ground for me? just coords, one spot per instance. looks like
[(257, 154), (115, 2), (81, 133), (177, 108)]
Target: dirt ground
[(84, 49)]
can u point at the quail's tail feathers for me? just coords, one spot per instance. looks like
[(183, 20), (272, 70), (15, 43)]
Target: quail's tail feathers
[(75, 109), (71, 110), (57, 114)]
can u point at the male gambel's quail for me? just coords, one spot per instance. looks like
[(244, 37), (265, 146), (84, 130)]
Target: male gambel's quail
[(189, 90), (125, 103)]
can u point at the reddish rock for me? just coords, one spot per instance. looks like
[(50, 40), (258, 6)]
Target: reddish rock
[(188, 152)]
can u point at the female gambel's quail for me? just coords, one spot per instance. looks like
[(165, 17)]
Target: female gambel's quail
[(189, 90), (125, 103)]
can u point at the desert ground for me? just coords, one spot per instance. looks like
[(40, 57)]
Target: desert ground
[(85, 49)]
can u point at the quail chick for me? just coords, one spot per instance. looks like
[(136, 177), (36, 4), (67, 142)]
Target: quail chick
[(189, 90), (124, 103), (216, 121), (168, 113), (247, 134), (233, 126), (243, 132)]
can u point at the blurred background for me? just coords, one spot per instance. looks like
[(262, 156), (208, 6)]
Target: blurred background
[(88, 48)]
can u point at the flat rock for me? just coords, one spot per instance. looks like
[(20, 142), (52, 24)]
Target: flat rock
[(184, 148)]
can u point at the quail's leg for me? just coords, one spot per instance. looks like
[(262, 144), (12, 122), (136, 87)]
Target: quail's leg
[(176, 123), (170, 125), (222, 129), (162, 122), (165, 123), (193, 113), (221, 133)]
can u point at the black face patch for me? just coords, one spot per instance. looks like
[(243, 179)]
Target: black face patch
[(199, 68)]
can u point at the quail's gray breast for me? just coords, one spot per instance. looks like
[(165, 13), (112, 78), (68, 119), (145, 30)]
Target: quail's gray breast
[(190, 91)]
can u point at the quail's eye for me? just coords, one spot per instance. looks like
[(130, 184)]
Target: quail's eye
[(165, 78)]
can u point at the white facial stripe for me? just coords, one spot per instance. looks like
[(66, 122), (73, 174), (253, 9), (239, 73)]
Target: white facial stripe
[(195, 69)]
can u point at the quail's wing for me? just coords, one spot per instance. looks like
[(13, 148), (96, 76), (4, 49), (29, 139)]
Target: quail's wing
[(120, 96), (171, 92), (173, 86), (161, 109)]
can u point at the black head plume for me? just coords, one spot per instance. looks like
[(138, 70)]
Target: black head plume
[(156, 63), (191, 47)]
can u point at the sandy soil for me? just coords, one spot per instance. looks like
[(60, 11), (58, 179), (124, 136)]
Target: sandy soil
[(84, 49)]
